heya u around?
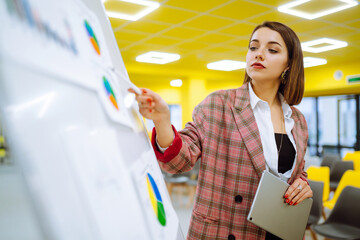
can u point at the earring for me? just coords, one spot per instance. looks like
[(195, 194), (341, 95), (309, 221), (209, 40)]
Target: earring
[(283, 77)]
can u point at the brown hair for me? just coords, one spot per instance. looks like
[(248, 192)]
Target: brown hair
[(293, 86)]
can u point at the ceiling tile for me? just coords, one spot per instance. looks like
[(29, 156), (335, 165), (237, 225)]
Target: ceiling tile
[(175, 49), (240, 10), (308, 26), (273, 3), (133, 37), (316, 6), (241, 29), (162, 41), (241, 42), (143, 26), (355, 24), (128, 56), (344, 16), (342, 54), (332, 32), (277, 17), (182, 32), (123, 7), (144, 48), (169, 15), (208, 23), (220, 49), (193, 45), (214, 38), (352, 37), (115, 22), (123, 44), (198, 5)]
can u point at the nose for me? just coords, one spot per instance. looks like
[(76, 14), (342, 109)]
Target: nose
[(259, 54)]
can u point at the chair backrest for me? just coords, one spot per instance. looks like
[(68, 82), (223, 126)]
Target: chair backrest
[(328, 160), (347, 208), (320, 174), (351, 156), (350, 178), (355, 158), (2, 153), (339, 168), (357, 164), (317, 189)]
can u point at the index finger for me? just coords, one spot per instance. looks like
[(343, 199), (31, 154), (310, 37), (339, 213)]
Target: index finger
[(131, 90)]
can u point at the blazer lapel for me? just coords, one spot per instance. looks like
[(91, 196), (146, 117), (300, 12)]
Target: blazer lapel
[(246, 124)]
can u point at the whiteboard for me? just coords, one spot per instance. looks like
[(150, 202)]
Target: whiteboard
[(77, 139)]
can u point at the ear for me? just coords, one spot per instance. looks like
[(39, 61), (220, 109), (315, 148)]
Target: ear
[(287, 68)]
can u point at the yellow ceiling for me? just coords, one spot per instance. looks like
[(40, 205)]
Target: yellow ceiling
[(204, 31)]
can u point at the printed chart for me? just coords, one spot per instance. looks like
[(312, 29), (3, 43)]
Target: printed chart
[(92, 37), (110, 93), (156, 200)]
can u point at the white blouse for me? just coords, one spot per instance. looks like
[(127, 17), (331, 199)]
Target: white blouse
[(262, 114)]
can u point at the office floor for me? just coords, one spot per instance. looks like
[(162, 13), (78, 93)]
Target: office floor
[(180, 200)]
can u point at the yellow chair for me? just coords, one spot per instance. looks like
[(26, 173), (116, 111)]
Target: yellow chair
[(2, 155), (355, 157), (321, 174), (350, 178)]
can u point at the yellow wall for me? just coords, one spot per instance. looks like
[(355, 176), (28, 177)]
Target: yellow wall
[(319, 82)]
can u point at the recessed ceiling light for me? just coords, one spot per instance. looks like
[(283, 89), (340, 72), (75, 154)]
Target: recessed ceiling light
[(287, 8), (176, 83), (226, 65), (150, 6), (310, 46), (312, 62), (158, 57)]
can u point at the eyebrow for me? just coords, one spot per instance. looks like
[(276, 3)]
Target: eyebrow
[(271, 42)]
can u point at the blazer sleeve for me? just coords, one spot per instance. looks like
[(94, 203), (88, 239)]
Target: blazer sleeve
[(186, 148)]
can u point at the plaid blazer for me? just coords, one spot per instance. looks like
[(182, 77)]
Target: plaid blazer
[(225, 137)]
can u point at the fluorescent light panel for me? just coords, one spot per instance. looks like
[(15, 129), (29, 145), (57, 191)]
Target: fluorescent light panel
[(158, 57), (312, 62), (333, 44), (226, 65), (176, 83), (287, 8), (151, 6)]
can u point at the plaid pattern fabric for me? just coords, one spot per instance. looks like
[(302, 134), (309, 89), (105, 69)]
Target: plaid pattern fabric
[(225, 137)]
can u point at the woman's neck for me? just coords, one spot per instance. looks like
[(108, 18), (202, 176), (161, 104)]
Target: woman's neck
[(267, 91)]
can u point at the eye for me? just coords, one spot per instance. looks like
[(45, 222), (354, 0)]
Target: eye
[(252, 48), (273, 51)]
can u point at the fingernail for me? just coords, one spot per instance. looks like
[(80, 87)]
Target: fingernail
[(286, 196), (144, 91), (291, 203), (150, 110), (295, 204), (148, 100), (287, 200)]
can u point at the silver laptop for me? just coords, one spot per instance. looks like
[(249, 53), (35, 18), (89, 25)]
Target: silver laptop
[(269, 211)]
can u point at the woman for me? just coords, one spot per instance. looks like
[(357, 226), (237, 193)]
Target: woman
[(238, 134)]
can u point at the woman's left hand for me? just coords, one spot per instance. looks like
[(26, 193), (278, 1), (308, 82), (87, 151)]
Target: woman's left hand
[(297, 192)]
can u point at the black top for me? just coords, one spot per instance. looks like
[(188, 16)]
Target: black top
[(287, 152), (286, 160)]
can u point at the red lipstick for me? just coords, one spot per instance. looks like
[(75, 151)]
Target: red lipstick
[(257, 65)]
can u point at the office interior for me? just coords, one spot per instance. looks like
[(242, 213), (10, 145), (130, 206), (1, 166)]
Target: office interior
[(203, 32)]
